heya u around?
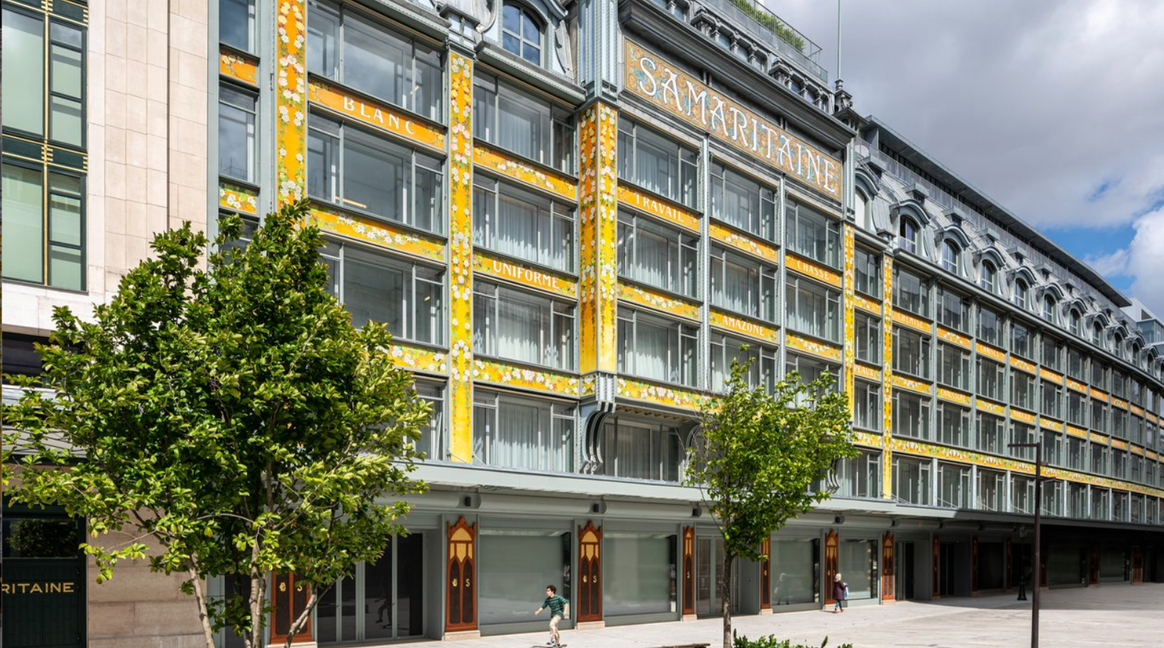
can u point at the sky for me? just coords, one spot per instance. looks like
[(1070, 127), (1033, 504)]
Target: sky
[(1054, 108)]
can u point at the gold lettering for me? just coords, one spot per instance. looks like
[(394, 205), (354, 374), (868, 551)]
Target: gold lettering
[(349, 104), (5, 588)]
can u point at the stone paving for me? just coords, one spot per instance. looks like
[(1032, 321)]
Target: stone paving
[(1115, 615)]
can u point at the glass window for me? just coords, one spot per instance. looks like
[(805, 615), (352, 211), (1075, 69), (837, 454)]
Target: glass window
[(991, 491), (867, 405), (988, 277), (522, 123), (868, 267), (1022, 495), (522, 432), (795, 570), (1098, 375), (236, 23), (657, 164), (812, 234), (1099, 415), (406, 297), (1076, 364), (1022, 390), (1022, 294), (953, 310), (911, 293), (1077, 454), (433, 442), (1023, 433), (23, 78), (1022, 341), (657, 255), (23, 213), (522, 326), (810, 370), (1075, 323), (911, 415), (953, 366), (656, 348), (953, 425), (911, 480), (1100, 457), (991, 377), (236, 133), (989, 326), (725, 349), (813, 308), (857, 560), (523, 224), (66, 84), (641, 573), (521, 33), (1076, 408), (740, 201), (355, 169), (867, 329), (641, 450), (907, 235), (954, 486), (743, 285), (951, 257), (515, 559), (1052, 443), (1052, 400), (346, 46), (1050, 307), (992, 434), (911, 353)]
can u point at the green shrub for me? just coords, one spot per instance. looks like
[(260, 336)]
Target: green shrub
[(772, 642)]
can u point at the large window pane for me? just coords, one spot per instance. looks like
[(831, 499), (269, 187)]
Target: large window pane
[(641, 571), (236, 22), (656, 163), (813, 235), (856, 563), (66, 230), (656, 255), (23, 79), (794, 571), (510, 562), (23, 218), (520, 432), (236, 133), (640, 450)]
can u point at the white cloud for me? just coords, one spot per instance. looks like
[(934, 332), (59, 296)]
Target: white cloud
[(1109, 265), (1146, 260)]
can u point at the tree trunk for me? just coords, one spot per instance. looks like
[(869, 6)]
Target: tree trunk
[(203, 615), (725, 595), (297, 627)]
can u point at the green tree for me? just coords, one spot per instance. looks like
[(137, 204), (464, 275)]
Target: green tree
[(757, 459), (227, 417)]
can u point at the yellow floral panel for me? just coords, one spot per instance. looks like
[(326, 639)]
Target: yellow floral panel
[(658, 394), (1119, 445), (1119, 402), (657, 300), (598, 249), (1019, 363), (744, 326), (868, 439), (1137, 410), (658, 207), (912, 322), (813, 347), (1047, 374), (954, 338), (370, 230), (887, 382), (954, 396), (810, 269), (850, 349), (239, 199), (991, 407), (290, 106), (377, 115), (1049, 424), (1025, 417), (743, 242), (1101, 395), (990, 352), (1076, 385), (238, 67), (912, 385), (866, 304), (526, 173), (418, 358), (868, 373), (1100, 438), (461, 256), (1077, 431), (524, 275), (502, 373)]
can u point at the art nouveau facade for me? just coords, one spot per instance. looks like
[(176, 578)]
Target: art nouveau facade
[(573, 216)]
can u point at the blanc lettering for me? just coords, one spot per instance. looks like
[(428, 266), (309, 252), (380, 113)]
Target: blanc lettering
[(375, 114)]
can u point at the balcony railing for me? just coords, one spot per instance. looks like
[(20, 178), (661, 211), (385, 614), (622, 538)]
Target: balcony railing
[(763, 25)]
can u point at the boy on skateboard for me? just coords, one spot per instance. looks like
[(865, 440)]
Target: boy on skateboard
[(557, 606)]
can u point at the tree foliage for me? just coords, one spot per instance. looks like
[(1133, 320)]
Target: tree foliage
[(759, 456), (228, 418)]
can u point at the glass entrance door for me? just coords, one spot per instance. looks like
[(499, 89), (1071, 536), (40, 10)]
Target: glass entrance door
[(709, 578), (384, 600), (903, 553)]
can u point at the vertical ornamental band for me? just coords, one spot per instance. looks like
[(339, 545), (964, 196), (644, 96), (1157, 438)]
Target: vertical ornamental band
[(598, 139), (290, 98), (887, 376), (461, 257), (850, 339)]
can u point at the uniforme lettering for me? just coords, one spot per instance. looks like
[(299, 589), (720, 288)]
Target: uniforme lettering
[(697, 103)]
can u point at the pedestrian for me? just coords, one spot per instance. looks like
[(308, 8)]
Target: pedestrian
[(558, 607), (840, 593)]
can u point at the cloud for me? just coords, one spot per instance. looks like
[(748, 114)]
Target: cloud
[(1109, 265), (1049, 106)]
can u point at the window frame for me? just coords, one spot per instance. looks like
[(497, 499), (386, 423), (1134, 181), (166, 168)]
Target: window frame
[(551, 214), (631, 134), (684, 334), (765, 216), (762, 281), (252, 143), (800, 219), (631, 225), (539, 26), (549, 341)]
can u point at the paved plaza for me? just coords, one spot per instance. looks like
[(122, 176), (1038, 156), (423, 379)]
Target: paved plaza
[(1117, 615)]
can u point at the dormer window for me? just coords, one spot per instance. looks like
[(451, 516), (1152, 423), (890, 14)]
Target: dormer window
[(1022, 294), (1074, 322), (907, 235), (1049, 305), (988, 277), (1097, 334), (521, 33), (951, 256)]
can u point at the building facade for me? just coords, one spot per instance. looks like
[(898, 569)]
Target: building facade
[(573, 216)]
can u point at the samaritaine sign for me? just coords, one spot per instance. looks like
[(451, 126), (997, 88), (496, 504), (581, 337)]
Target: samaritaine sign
[(655, 79)]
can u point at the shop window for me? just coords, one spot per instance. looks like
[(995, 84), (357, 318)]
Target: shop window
[(813, 309), (911, 293), (656, 348), (953, 366), (656, 255), (867, 405), (236, 133), (857, 561), (868, 273), (911, 481), (641, 572), (523, 326), (527, 433), (521, 32), (522, 123), (640, 450), (512, 560), (345, 45), (953, 310), (742, 285), (236, 23), (812, 234), (406, 297), (911, 353), (991, 378), (869, 342), (725, 349), (522, 224), (741, 202), (796, 571), (355, 169), (911, 415), (658, 164)]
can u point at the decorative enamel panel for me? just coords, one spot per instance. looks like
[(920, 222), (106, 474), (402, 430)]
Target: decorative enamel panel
[(869, 439), (1047, 374), (866, 304), (1076, 385), (524, 275), (887, 376), (1119, 402), (525, 378), (1050, 424), (870, 373), (1119, 445), (370, 230), (525, 173), (1025, 417), (417, 358), (743, 242), (238, 67), (666, 86), (812, 347), (658, 394), (810, 269), (598, 221), (912, 385), (290, 101), (1019, 363), (954, 338), (850, 348), (744, 326), (912, 322), (380, 116), (1100, 438), (1077, 431), (953, 396), (991, 407), (658, 207), (990, 352), (461, 256), (1101, 395), (658, 300), (240, 199)]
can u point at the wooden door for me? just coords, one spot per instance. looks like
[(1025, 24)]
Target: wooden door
[(937, 575), (831, 541), (288, 598), (590, 570), (1137, 565), (766, 575), (974, 565), (888, 569), (461, 577), (688, 570)]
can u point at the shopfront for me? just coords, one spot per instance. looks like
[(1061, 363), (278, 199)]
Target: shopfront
[(43, 590)]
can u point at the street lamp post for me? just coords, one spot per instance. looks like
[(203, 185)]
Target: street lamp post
[(1038, 540)]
